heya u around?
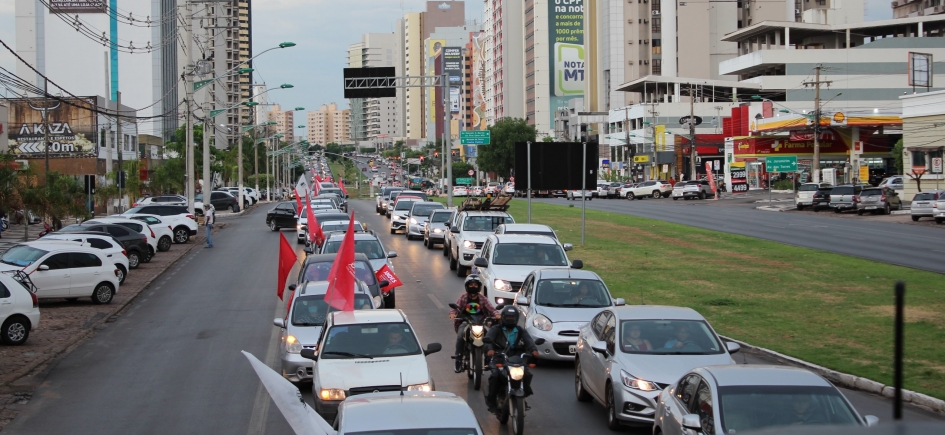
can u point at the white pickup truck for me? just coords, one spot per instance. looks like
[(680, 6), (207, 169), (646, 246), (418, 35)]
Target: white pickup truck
[(467, 234)]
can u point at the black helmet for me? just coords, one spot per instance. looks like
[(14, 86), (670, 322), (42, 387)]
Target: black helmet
[(509, 316), (473, 278)]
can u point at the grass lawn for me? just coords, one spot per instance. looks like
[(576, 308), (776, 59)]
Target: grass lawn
[(828, 309), (339, 171)]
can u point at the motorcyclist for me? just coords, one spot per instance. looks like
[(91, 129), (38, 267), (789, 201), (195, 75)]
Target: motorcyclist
[(511, 339), (470, 303)]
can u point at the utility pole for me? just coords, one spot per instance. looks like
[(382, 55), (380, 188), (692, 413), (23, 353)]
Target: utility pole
[(632, 148), (815, 165), (208, 123), (189, 90), (46, 124), (121, 147), (692, 135)]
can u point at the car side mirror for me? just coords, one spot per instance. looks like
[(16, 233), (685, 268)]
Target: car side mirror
[(732, 346), (43, 267), (309, 354), (392, 254), (481, 262), (454, 230), (432, 348), (577, 264), (620, 302), (600, 347), (691, 421), (278, 321), (539, 341), (568, 246), (871, 420), (522, 300), (309, 248)]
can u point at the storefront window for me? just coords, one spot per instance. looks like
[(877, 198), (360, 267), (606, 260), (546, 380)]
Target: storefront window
[(918, 159)]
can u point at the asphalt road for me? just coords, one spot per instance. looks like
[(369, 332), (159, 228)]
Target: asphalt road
[(905, 245)]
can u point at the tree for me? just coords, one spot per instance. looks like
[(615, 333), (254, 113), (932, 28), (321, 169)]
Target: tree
[(547, 139), (916, 175), (898, 156), (461, 170), (499, 157)]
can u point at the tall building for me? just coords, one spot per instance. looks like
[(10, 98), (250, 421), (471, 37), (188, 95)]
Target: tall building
[(505, 97), (445, 45), (375, 119), (914, 8), (244, 13), (328, 124), (285, 122)]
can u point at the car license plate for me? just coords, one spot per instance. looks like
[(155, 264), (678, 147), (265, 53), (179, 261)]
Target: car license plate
[(572, 349), (871, 207)]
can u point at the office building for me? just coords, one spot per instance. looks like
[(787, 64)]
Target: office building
[(327, 124), (504, 53), (285, 123), (916, 8), (375, 118)]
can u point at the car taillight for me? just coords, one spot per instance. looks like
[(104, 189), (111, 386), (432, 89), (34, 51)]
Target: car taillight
[(134, 205), (152, 233), (856, 199), (191, 217), (883, 198), (124, 252), (116, 272), (144, 239), (35, 300), (169, 227)]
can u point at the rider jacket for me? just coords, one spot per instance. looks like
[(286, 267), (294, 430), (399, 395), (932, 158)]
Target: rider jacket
[(500, 343), (481, 305)]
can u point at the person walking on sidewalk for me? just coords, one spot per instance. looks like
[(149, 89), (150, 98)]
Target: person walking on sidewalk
[(210, 217)]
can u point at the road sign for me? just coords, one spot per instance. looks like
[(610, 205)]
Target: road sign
[(696, 120), (936, 165), (641, 159), (466, 181), (471, 172), (781, 164), (214, 113), (475, 137)]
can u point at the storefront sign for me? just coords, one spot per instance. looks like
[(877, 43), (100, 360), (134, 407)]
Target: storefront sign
[(641, 159), (739, 178), (761, 146)]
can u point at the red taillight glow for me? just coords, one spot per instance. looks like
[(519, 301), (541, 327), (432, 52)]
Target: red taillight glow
[(35, 300), (134, 205), (191, 216), (124, 252), (116, 272), (856, 199), (884, 198), (152, 233)]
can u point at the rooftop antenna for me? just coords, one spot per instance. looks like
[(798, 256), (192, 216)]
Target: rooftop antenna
[(401, 383)]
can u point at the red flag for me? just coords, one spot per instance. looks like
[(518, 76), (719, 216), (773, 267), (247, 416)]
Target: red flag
[(287, 259), (298, 201), (315, 233), (384, 273), (341, 280), (318, 179), (342, 184), (317, 186)]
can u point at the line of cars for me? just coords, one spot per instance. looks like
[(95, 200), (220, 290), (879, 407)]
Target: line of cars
[(223, 198), (656, 189), (859, 198), (86, 260)]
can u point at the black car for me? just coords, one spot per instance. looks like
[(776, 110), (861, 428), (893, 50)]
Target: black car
[(283, 215), (317, 267), (821, 198), (221, 201), (133, 242)]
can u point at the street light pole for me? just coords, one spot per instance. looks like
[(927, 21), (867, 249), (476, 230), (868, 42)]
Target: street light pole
[(189, 92)]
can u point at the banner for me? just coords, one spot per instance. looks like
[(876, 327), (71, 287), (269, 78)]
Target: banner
[(566, 46), (384, 273), (711, 177), (77, 6), (479, 122), (73, 127)]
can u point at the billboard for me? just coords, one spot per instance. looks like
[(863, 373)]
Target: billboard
[(73, 127), (434, 95), (566, 46), (556, 165), (453, 68), (77, 6), (478, 108)]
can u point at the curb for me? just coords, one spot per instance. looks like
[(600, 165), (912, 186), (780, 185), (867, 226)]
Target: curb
[(849, 381), (772, 208), (68, 346)]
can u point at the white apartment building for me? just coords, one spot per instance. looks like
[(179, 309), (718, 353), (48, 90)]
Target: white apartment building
[(414, 61), (375, 118), (328, 124), (504, 59), (285, 122)]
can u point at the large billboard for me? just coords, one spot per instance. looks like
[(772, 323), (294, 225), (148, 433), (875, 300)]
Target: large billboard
[(77, 6), (453, 68), (478, 108), (434, 95), (73, 127), (566, 45)]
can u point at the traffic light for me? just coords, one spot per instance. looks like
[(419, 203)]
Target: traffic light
[(453, 153)]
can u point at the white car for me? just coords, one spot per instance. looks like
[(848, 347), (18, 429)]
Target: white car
[(398, 215), (361, 352), (67, 270), (576, 194), (134, 225), (162, 231), (509, 188), (805, 195), (460, 191), (109, 246), (161, 200), (655, 189), (543, 230), (184, 224), (506, 259), (467, 234), (19, 310), (301, 226)]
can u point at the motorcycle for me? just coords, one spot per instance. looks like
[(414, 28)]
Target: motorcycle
[(476, 327), (511, 394)]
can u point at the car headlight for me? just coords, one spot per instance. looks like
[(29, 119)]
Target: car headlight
[(636, 383), (419, 387), (516, 373), (469, 244), (292, 344), (502, 285), (477, 330), (298, 227), (437, 231), (413, 221), (332, 394), (542, 323)]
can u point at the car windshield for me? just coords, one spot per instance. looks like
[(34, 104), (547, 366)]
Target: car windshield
[(869, 192), (809, 188), (674, 337), (22, 256), (843, 190), (369, 340), (133, 210), (485, 223), (311, 310), (440, 217), (433, 431), (572, 293), (371, 248), (404, 205), (425, 210), (341, 226), (746, 408), (531, 254), (320, 272), (924, 196)]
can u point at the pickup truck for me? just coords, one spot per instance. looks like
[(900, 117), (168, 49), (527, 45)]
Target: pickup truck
[(467, 234)]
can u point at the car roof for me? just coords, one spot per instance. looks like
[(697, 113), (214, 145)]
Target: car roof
[(527, 227), (559, 273), (323, 258), (392, 411), (59, 245), (321, 287), (99, 234), (372, 316), (525, 238), (751, 374), (428, 203), (357, 235), (487, 213), (652, 312)]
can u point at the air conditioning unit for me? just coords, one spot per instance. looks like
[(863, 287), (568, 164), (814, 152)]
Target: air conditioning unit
[(646, 41), (656, 12)]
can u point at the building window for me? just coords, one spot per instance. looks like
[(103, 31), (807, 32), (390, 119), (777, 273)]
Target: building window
[(657, 25), (657, 66), (918, 159), (657, 46)]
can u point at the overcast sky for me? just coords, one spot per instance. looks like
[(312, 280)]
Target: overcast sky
[(323, 29)]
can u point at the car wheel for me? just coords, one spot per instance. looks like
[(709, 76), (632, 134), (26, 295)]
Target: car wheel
[(15, 330), (939, 220), (446, 251), (181, 235), (630, 196), (233, 208), (453, 262), (134, 259), (836, 210), (675, 198), (800, 207), (122, 274), (612, 422), (164, 243), (392, 230), (701, 195), (915, 219), (579, 391), (886, 209), (656, 194), (859, 212), (103, 293), (147, 258), (273, 226), (461, 270)]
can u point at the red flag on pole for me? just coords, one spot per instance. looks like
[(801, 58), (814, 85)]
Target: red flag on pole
[(318, 179), (384, 273), (341, 183), (315, 234), (287, 259), (341, 280), (298, 201), (317, 186)]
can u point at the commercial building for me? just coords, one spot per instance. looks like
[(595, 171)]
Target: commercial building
[(504, 54), (923, 139), (445, 52), (916, 8), (328, 124), (375, 119), (285, 122)]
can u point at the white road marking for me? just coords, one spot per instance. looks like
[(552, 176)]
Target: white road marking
[(436, 301), (257, 422)]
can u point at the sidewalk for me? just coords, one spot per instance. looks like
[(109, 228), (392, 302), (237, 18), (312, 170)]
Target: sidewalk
[(14, 235)]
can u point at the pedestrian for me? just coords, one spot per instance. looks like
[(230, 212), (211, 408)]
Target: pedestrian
[(209, 218)]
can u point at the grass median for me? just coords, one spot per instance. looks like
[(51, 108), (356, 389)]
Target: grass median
[(829, 309)]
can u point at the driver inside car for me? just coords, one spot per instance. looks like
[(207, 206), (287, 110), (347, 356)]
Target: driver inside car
[(395, 341)]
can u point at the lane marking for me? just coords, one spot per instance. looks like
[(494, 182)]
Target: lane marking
[(257, 422), (436, 301)]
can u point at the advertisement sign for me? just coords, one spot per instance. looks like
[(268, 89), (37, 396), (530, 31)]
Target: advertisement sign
[(739, 177), (453, 68), (566, 46), (864, 173), (478, 109), (829, 144), (76, 6), (73, 128), (472, 151), (708, 170), (641, 159)]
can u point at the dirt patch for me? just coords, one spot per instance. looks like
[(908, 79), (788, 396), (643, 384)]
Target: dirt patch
[(912, 314)]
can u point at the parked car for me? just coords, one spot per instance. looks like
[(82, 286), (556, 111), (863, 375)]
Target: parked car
[(877, 199), (110, 247), (556, 303), (467, 234), (220, 201), (844, 197), (727, 399), (806, 192), (938, 210), (894, 182), (692, 189), (821, 198), (576, 194), (459, 191), (505, 260), (161, 200), (134, 243), (626, 355), (358, 354), (655, 189), (134, 225), (302, 324), (613, 190), (418, 216), (923, 204), (163, 232), (283, 215), (509, 188), (19, 309), (435, 230), (64, 270), (183, 222)]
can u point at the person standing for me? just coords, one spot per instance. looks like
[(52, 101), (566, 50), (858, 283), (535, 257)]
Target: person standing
[(209, 218)]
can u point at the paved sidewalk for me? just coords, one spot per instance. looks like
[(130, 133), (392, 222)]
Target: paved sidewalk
[(14, 235)]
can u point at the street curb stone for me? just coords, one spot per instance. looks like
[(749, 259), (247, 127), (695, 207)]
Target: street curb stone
[(852, 382)]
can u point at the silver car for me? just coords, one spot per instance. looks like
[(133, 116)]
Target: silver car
[(746, 398), (302, 325), (657, 345), (418, 216), (435, 230), (556, 303), (366, 243), (924, 202)]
